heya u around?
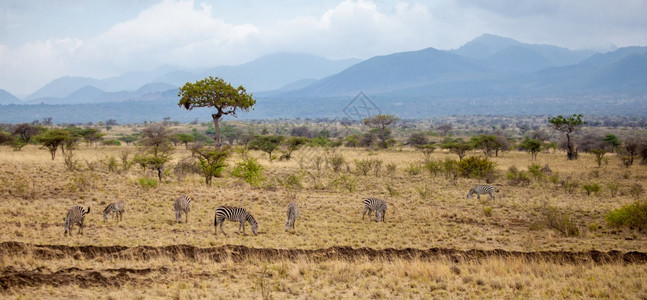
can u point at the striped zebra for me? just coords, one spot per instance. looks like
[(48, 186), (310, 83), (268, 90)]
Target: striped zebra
[(377, 205), (482, 189), (75, 215), (293, 214), (182, 206), (116, 208), (234, 214)]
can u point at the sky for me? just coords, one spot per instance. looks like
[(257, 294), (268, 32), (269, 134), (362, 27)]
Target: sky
[(41, 40)]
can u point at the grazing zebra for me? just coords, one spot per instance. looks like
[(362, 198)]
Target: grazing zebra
[(182, 206), (377, 205), (117, 208), (482, 189), (234, 214), (293, 214), (75, 215)]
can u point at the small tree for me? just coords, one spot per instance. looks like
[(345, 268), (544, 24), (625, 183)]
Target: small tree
[(568, 126), (599, 153), (211, 161), (266, 143), (52, 139), (185, 138), (418, 138), (444, 129), (25, 131), (426, 150), (531, 145), (156, 139), (381, 123), (487, 143), (91, 136), (127, 139), (612, 141), (216, 93), (292, 144), (459, 148)]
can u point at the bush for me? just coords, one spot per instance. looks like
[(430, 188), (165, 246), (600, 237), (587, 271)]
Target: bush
[(516, 177), (475, 167), (433, 167), (636, 190), (111, 143), (390, 168), (613, 189), (344, 181), (591, 188), (336, 161), (569, 185), (147, 183), (413, 169), (557, 219), (631, 215), (364, 166), (250, 171)]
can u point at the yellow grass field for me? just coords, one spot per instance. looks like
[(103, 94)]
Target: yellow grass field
[(338, 255)]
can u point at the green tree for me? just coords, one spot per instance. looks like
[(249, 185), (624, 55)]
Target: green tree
[(426, 150), (185, 138), (459, 148), (266, 143), (599, 153), (381, 125), (487, 143), (5, 137), (53, 139), (25, 131), (292, 144), (91, 135), (211, 161), (128, 138), (568, 126), (531, 145), (216, 93), (612, 140)]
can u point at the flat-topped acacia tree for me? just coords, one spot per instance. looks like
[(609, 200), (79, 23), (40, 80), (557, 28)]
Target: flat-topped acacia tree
[(215, 92)]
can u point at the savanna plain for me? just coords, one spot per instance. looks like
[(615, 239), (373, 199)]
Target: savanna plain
[(538, 240)]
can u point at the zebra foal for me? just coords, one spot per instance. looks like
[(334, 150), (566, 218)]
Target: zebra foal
[(116, 208), (482, 189), (293, 214), (235, 214), (377, 205), (182, 205), (75, 215)]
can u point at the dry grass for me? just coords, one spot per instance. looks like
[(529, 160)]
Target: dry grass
[(37, 191)]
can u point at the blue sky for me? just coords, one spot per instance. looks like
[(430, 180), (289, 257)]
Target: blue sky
[(41, 40)]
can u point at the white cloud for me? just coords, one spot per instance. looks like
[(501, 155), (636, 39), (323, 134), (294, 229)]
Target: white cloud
[(194, 33)]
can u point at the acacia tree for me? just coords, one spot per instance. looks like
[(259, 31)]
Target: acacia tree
[(531, 145), (381, 124), (156, 139), (216, 93), (568, 126), (54, 138)]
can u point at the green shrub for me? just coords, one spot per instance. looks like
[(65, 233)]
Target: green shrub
[(569, 185), (487, 211), (111, 143), (516, 177), (336, 161), (475, 167), (631, 215), (346, 182), (413, 169), (147, 183), (250, 171), (591, 188), (364, 166), (433, 167), (535, 171)]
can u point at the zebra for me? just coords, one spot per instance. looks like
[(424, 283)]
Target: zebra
[(482, 189), (75, 215), (293, 214), (117, 208), (377, 205), (234, 214), (182, 206)]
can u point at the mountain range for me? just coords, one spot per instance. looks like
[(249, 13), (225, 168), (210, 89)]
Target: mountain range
[(485, 70)]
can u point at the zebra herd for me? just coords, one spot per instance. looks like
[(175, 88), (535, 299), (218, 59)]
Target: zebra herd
[(76, 214)]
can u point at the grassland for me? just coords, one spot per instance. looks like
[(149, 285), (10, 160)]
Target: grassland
[(425, 212)]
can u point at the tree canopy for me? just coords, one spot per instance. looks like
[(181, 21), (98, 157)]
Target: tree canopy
[(568, 126), (216, 93)]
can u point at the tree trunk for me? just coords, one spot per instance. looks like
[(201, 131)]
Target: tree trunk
[(571, 153), (216, 138)]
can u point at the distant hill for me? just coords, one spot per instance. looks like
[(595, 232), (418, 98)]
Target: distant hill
[(266, 73), (8, 98)]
